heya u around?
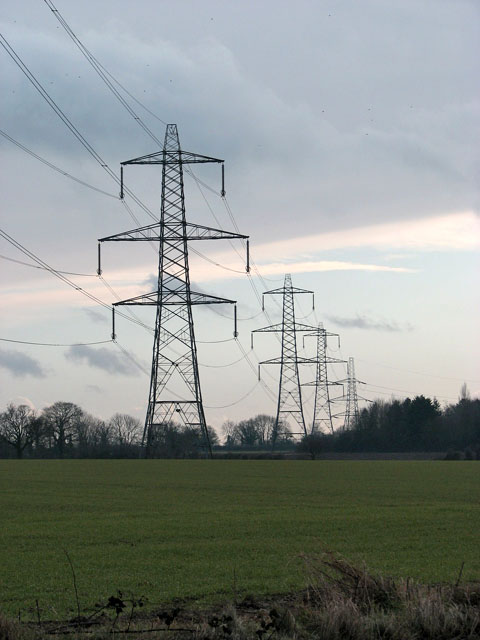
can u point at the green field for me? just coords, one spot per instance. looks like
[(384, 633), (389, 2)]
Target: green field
[(168, 529)]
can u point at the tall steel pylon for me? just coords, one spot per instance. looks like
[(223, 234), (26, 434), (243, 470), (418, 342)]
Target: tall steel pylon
[(351, 398), (322, 411), (289, 389), (351, 408), (174, 358)]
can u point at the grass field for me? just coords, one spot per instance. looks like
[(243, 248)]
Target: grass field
[(167, 529)]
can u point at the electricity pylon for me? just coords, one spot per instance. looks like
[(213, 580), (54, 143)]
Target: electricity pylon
[(322, 412), (174, 349), (351, 399), (289, 389)]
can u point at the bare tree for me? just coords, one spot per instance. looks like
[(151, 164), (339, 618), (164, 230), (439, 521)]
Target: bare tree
[(62, 419), (125, 429), (464, 393), (265, 426), (16, 427), (259, 431), (101, 436), (213, 436), (229, 430)]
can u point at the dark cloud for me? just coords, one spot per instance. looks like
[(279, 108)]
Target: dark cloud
[(97, 316), (151, 281), (20, 365), (370, 324), (101, 358), (93, 387)]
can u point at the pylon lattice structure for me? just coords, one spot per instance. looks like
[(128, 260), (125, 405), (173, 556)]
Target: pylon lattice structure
[(351, 409), (351, 398), (322, 411), (289, 389), (174, 358)]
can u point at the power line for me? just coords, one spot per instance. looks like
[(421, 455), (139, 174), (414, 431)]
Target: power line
[(265, 387), (222, 366), (11, 52), (105, 75), (68, 123), (54, 344), (34, 266), (60, 276), (128, 355), (214, 341), (231, 404), (109, 79), (419, 373), (54, 167), (99, 70), (377, 386)]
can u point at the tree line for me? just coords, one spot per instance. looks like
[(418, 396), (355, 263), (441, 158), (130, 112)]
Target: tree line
[(65, 430), (417, 424)]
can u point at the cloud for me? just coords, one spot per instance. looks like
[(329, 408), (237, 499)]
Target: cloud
[(20, 365), (327, 265), (24, 400), (151, 281), (363, 322), (101, 358), (93, 387), (97, 316), (454, 232)]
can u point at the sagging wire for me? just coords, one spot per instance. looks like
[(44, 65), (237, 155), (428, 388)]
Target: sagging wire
[(55, 344), (34, 266), (55, 168), (231, 404)]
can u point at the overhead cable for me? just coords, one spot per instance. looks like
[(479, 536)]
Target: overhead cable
[(54, 167), (34, 266), (231, 404), (62, 277), (55, 344)]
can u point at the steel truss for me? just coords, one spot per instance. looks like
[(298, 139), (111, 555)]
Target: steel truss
[(174, 350), (322, 412), (351, 398), (289, 390)]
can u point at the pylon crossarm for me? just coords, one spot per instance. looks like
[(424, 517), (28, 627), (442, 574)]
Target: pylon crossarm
[(172, 231), (345, 380), (278, 327), (327, 383), (289, 361), (173, 297), (174, 157), (329, 360), (272, 328), (199, 232), (318, 331), (282, 290)]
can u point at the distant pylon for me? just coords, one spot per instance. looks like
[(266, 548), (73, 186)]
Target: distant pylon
[(174, 349), (322, 412), (289, 389), (351, 398), (351, 408)]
